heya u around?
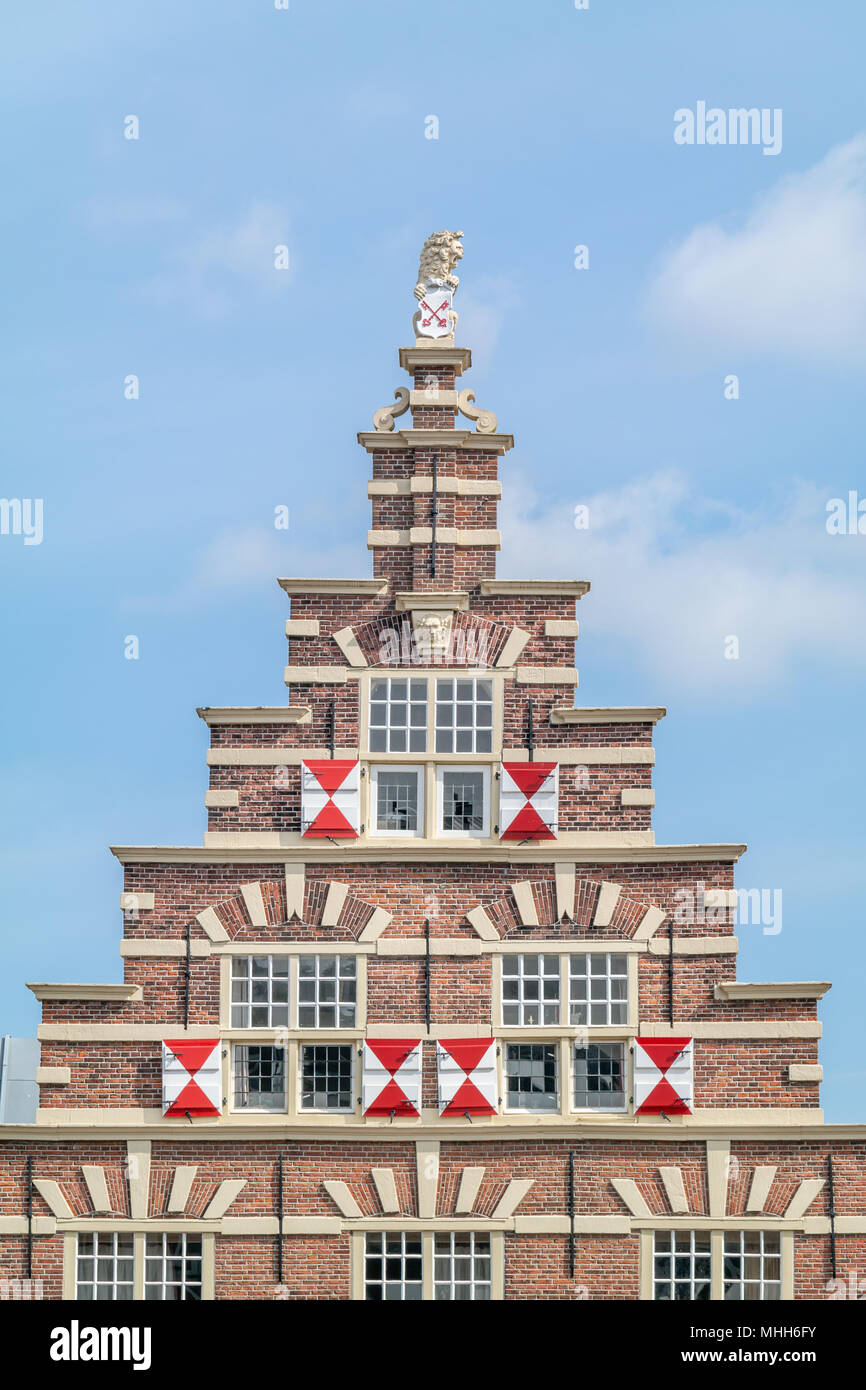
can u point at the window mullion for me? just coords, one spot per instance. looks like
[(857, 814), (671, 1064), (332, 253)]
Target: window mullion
[(564, 991), (292, 1079), (565, 1090), (427, 1291), (717, 1264), (139, 1240)]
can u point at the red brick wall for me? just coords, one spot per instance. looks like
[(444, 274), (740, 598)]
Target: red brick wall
[(536, 1266)]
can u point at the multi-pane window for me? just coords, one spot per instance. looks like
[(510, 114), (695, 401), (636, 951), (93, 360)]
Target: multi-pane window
[(326, 1077), (464, 716), (104, 1266), (327, 991), (681, 1265), (463, 801), (392, 1266), (398, 715), (396, 800), (599, 1076), (172, 1267), (259, 1078), (597, 985), (752, 1265), (598, 988), (530, 990), (461, 1266), (260, 992), (531, 1076)]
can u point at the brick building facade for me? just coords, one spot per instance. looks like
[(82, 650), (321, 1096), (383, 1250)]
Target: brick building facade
[(430, 1014)]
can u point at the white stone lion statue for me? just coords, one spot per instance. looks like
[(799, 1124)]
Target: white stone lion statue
[(439, 255)]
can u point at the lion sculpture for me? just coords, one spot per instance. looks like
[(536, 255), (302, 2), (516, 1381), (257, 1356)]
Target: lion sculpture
[(439, 255)]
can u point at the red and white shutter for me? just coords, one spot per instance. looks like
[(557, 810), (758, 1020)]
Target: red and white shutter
[(191, 1077), (528, 801), (663, 1076), (467, 1076), (331, 797), (392, 1076)]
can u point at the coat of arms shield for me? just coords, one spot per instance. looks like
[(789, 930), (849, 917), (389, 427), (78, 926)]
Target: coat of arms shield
[(434, 311)]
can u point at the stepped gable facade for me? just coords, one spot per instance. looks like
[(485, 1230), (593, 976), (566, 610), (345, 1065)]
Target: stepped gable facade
[(430, 1014)]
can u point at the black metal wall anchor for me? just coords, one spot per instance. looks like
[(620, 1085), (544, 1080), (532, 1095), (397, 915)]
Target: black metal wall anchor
[(434, 513), (427, 973), (671, 971), (530, 733), (571, 1213), (280, 1219), (831, 1198), (186, 976), (332, 729), (29, 1254)]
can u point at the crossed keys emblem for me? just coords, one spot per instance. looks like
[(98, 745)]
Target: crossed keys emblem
[(440, 314)]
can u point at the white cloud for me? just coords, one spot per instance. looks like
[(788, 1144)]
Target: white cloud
[(120, 217), (791, 279), (239, 562), (212, 269), (673, 575), (482, 313)]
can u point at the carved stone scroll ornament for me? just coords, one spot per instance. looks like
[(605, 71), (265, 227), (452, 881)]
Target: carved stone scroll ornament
[(383, 420), (486, 420)]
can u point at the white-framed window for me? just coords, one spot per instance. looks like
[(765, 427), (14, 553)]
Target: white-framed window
[(397, 800), (463, 801), (326, 1077), (681, 1266), (398, 714), (464, 715), (104, 1266), (598, 989), (258, 1077), (599, 1074), (172, 1267), (260, 992), (532, 1076), (327, 991), (393, 1266), (462, 1266), (752, 1265), (530, 990)]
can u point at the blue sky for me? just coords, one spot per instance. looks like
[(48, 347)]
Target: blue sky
[(306, 128)]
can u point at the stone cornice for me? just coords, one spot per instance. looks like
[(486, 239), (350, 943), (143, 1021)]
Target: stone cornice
[(255, 714), (374, 441), (304, 851), (405, 602), (377, 587), (609, 714), (609, 756), (412, 357), (695, 1132), (75, 992), (776, 989), (532, 588), (441, 847)]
